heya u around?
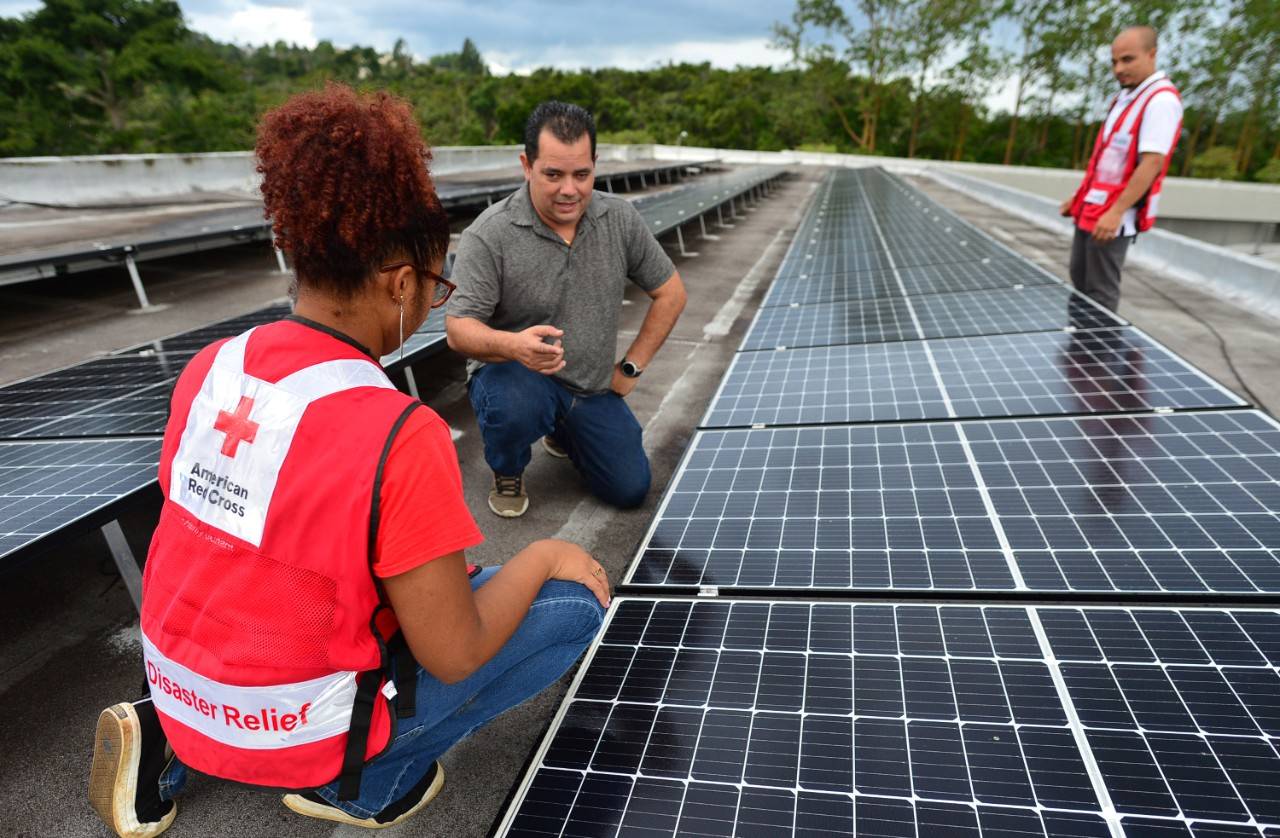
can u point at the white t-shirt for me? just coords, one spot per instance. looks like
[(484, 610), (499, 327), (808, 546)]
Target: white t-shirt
[(1158, 131)]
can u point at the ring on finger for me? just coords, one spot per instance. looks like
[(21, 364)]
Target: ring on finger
[(599, 571)]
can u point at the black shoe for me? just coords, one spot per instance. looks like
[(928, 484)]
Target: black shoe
[(130, 753), (314, 806)]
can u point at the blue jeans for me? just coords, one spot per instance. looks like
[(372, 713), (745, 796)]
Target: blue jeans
[(561, 623), (516, 406)]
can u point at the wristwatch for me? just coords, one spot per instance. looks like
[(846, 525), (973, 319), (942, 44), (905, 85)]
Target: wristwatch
[(629, 369)]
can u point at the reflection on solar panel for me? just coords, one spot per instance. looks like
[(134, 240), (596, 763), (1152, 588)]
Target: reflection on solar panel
[(45, 486), (934, 279), (1176, 503), (1038, 373), (770, 718), (1035, 309)]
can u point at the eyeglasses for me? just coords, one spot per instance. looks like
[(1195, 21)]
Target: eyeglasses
[(443, 288)]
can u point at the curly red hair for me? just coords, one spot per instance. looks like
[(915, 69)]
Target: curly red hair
[(346, 184)]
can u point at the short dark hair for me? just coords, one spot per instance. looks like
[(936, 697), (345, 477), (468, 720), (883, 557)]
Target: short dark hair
[(566, 122)]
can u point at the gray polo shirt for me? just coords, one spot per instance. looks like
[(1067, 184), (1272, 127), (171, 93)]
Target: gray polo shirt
[(513, 272)]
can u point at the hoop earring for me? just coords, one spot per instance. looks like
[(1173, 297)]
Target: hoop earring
[(402, 328)]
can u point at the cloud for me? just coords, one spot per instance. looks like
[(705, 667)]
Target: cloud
[(753, 52), (253, 24)]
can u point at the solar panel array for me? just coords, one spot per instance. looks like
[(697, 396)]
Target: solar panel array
[(820, 719), (924, 451)]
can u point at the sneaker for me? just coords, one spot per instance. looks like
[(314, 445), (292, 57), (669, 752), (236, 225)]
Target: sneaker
[(314, 806), (554, 449), (130, 753), (507, 498)]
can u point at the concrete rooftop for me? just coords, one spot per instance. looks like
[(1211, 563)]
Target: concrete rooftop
[(69, 631)]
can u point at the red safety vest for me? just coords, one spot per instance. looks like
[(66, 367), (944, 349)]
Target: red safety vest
[(1114, 158), (259, 607)]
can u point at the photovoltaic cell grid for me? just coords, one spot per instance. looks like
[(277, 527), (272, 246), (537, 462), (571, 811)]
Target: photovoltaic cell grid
[(954, 278), (863, 219), (668, 210), (113, 396), (1036, 373), (998, 311), (770, 718), (45, 486), (1180, 503), (193, 341), (128, 394)]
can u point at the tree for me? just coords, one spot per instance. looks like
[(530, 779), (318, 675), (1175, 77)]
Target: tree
[(1218, 163), (870, 40), (932, 27), (99, 55), (467, 61), (1030, 17), (1261, 19), (972, 78)]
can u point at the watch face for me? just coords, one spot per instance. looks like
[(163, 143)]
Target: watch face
[(630, 370)]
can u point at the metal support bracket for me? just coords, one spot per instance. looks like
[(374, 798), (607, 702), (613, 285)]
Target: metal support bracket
[(122, 553), (680, 238)]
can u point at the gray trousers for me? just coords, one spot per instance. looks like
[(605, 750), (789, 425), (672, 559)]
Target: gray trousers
[(1095, 267)]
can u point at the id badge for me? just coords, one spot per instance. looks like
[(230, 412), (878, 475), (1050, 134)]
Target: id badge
[(1111, 166)]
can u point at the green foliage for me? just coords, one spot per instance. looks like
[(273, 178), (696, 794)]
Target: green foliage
[(1218, 163), (886, 77), (632, 136), (1270, 171)]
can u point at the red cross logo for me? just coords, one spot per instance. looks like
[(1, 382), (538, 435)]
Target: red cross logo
[(236, 426)]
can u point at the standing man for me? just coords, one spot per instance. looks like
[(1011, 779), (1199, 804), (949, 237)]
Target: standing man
[(1121, 187), (540, 276)]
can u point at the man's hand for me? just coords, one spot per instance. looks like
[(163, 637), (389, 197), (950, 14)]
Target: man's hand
[(531, 350), (1065, 209), (1108, 225), (621, 384)]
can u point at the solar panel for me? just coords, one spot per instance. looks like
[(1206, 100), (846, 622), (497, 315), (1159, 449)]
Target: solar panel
[(853, 321), (875, 382), (112, 396), (999, 311), (817, 719), (953, 278), (192, 341), (1180, 503), (1036, 373), (667, 210), (128, 394), (47, 486)]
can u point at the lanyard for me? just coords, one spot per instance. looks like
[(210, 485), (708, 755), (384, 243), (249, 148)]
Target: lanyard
[(1137, 94)]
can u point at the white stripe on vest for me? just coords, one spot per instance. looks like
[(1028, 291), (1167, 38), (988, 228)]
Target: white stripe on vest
[(239, 431), (251, 717)]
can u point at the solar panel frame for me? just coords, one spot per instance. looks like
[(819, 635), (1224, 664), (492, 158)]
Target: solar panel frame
[(808, 717), (1020, 374), (1085, 506)]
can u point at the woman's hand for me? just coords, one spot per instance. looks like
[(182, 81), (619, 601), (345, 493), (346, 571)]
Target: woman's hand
[(570, 563)]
